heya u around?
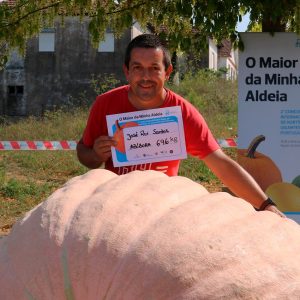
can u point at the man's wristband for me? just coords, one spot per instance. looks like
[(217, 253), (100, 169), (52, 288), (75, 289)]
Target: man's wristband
[(266, 203)]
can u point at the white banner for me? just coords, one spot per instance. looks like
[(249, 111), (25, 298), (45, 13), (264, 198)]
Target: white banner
[(269, 115)]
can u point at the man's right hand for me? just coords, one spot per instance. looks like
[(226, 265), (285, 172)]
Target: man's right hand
[(100, 153), (102, 147)]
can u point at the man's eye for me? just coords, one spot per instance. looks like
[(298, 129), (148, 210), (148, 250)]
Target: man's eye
[(156, 69)]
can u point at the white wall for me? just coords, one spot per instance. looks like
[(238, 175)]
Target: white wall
[(212, 55), (136, 30)]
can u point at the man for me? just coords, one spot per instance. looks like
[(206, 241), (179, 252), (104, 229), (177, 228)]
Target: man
[(147, 66)]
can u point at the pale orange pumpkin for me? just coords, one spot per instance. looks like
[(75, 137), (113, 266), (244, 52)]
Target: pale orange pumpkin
[(262, 168), (143, 236)]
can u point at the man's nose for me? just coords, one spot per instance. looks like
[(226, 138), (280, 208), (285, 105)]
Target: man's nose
[(145, 73)]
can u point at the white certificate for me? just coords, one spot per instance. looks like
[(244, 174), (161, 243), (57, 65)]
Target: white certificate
[(147, 136)]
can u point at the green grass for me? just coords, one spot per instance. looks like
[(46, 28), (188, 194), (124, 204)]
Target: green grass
[(29, 177)]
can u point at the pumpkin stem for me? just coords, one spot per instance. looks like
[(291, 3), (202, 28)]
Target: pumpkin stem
[(118, 125), (253, 145)]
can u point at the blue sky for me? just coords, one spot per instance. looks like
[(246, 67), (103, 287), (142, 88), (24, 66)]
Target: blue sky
[(242, 26)]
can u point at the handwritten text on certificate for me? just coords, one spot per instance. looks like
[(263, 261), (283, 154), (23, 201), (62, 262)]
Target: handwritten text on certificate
[(147, 136)]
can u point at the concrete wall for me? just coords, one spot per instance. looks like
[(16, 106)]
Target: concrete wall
[(54, 78)]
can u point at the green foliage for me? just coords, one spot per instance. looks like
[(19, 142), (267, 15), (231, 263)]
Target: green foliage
[(99, 84), (212, 94), (185, 24), (104, 82), (275, 16)]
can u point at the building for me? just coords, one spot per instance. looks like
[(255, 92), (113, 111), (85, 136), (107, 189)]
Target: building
[(223, 57), (58, 67)]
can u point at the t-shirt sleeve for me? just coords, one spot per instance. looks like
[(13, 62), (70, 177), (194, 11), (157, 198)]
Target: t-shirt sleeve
[(112, 102), (199, 140), (92, 129)]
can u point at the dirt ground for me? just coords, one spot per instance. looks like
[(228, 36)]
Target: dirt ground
[(5, 230)]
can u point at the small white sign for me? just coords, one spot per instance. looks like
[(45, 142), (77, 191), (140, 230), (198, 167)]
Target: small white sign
[(147, 136)]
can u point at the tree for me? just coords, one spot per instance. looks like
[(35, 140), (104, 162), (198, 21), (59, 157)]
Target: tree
[(186, 24)]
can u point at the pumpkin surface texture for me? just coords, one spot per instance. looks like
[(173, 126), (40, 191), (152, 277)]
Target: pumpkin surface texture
[(145, 236)]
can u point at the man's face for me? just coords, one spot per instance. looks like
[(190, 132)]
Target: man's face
[(146, 76)]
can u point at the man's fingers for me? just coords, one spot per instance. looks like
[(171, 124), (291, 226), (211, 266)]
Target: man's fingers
[(102, 147), (105, 141)]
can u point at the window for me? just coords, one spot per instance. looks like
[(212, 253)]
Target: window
[(11, 90), (213, 64), (47, 40), (14, 90), (15, 104), (108, 45)]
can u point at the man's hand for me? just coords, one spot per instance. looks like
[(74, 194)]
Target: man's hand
[(240, 182), (275, 210), (100, 153), (102, 147)]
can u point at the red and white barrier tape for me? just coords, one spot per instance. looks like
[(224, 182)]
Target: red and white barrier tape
[(227, 143), (71, 145), (38, 145)]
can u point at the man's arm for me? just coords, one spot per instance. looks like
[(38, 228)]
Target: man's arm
[(237, 179), (98, 154)]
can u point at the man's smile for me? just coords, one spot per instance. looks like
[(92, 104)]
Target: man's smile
[(146, 85)]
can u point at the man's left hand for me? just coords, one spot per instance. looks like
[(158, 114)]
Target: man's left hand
[(275, 210)]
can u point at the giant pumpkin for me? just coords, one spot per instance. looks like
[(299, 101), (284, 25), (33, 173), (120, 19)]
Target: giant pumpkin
[(145, 236), (262, 168)]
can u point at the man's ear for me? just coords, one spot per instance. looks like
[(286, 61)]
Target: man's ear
[(169, 71), (125, 70)]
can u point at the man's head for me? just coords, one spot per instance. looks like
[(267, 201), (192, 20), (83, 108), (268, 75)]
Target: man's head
[(147, 67), (147, 41)]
